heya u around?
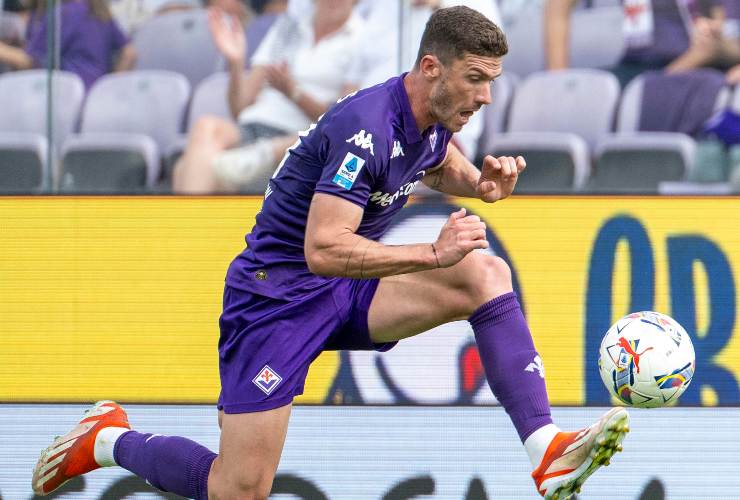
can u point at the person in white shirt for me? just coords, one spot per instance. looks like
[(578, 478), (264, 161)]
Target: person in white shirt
[(298, 71)]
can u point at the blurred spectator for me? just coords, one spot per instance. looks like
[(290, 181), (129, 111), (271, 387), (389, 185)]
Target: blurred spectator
[(235, 8), (298, 72), (715, 40), (266, 12), (91, 43), (389, 53), (680, 102), (658, 34), (130, 14), (733, 75), (13, 16), (12, 21)]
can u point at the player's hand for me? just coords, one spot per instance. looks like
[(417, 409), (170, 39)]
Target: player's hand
[(460, 235), (498, 177), (279, 77), (228, 35)]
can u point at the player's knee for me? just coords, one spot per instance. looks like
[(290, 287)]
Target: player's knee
[(242, 488), (230, 483), (488, 277), (258, 490)]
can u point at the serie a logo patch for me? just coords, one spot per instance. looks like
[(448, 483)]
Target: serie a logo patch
[(348, 171), (267, 380)]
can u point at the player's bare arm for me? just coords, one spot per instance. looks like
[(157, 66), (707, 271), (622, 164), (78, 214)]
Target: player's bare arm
[(458, 177), (333, 248)]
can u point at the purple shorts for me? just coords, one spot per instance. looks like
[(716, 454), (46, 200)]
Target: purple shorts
[(267, 344)]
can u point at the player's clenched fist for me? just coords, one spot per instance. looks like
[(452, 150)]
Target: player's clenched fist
[(460, 235)]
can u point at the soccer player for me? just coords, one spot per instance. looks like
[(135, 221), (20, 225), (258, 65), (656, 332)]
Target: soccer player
[(314, 277)]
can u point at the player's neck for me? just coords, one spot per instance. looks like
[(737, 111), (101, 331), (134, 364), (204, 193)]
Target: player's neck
[(418, 94)]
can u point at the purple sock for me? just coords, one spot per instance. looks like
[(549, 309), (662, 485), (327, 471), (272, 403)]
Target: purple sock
[(513, 367), (170, 463)]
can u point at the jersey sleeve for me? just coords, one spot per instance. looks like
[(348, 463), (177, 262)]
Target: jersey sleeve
[(354, 156)]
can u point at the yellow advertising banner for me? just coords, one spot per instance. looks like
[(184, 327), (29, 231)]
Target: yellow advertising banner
[(118, 298)]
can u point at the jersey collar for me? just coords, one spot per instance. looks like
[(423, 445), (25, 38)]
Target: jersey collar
[(408, 122)]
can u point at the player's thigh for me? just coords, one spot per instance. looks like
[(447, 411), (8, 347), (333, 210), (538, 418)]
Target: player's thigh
[(249, 453), (408, 304)]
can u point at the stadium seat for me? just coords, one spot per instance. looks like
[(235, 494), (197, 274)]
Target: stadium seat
[(23, 162), (556, 162), (596, 39), (23, 124), (210, 98), (694, 188), (634, 160), (109, 163), (141, 102), (639, 162), (178, 41), (577, 101), (555, 118), (525, 38), (494, 115), (137, 103)]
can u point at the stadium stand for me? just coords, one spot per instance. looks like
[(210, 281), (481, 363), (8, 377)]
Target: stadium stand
[(209, 99), (635, 160), (555, 119), (107, 162), (594, 42), (23, 125), (495, 114), (639, 162), (149, 106), (23, 162), (180, 42)]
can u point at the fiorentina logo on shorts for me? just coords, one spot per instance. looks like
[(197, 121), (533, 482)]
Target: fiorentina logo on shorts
[(267, 380)]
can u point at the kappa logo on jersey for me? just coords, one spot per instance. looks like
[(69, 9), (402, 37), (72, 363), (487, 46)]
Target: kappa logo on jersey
[(433, 139), (348, 171), (397, 150), (362, 140), (536, 364), (267, 380)]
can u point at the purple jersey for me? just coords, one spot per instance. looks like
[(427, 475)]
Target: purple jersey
[(366, 149), (87, 44)]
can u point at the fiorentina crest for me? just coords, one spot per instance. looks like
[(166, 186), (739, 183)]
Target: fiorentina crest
[(267, 380)]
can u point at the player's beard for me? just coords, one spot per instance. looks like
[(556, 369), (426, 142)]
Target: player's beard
[(441, 105)]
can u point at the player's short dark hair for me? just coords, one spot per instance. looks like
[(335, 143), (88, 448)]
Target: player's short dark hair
[(451, 33)]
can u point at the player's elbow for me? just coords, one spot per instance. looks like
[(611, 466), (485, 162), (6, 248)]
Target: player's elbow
[(318, 261)]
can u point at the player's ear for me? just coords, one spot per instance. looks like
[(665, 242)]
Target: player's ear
[(430, 67)]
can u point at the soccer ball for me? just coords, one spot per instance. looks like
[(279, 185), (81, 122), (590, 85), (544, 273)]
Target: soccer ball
[(646, 359)]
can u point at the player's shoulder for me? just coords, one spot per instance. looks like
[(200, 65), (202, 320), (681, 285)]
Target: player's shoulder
[(369, 112)]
